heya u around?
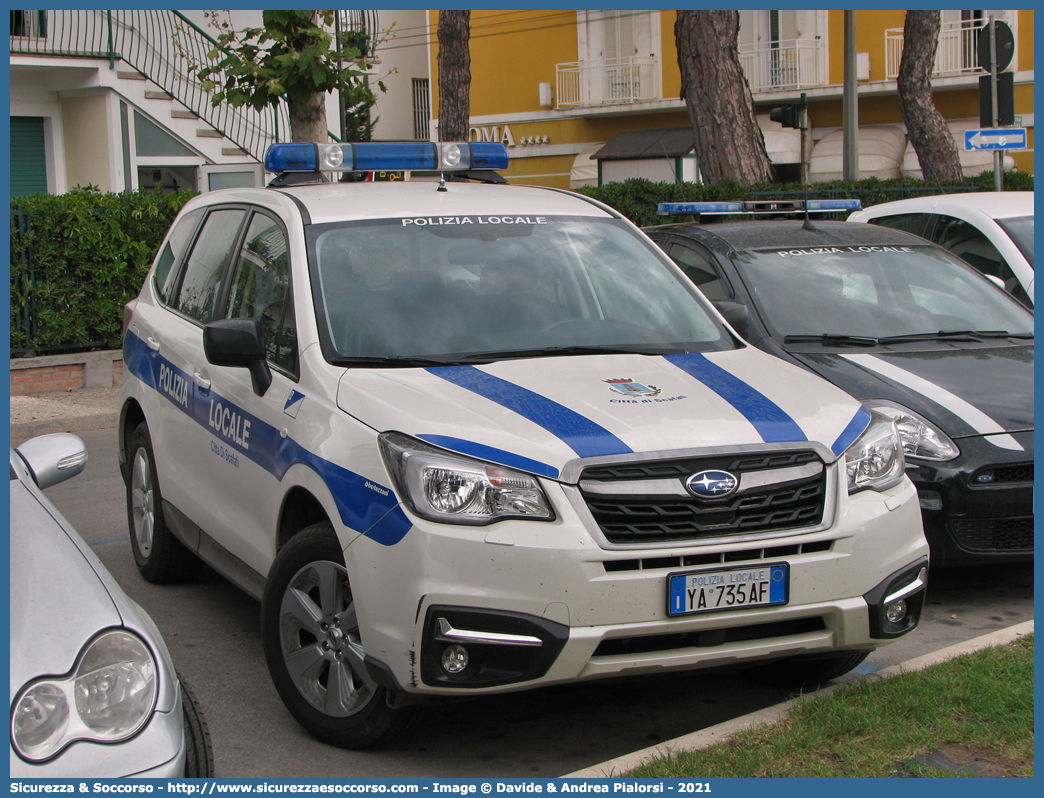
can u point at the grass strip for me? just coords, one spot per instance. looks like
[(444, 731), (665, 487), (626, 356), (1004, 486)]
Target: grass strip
[(971, 716)]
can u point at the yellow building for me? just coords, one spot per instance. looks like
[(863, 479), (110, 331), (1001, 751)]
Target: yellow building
[(554, 85)]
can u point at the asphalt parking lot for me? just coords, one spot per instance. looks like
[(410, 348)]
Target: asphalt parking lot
[(212, 631)]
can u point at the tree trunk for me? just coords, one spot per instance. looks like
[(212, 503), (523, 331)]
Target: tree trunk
[(308, 118), (931, 138), (454, 75), (729, 142)]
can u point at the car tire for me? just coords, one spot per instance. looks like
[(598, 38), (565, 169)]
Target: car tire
[(199, 753), (799, 673), (313, 648), (161, 558)]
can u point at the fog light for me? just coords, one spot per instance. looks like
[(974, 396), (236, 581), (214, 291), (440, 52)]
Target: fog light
[(930, 499), (455, 658), (895, 611)]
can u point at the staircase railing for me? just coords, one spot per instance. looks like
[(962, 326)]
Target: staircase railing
[(164, 46)]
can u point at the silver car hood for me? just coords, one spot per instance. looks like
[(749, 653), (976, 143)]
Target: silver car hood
[(58, 599)]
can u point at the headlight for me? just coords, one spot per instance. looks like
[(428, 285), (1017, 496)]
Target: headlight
[(108, 697), (875, 460), (449, 488), (920, 438)]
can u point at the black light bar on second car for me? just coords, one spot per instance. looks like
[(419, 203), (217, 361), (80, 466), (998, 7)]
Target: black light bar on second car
[(758, 207), (442, 156)]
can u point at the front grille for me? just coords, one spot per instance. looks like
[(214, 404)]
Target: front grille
[(653, 518), (708, 638), (717, 558), (659, 469), (1013, 474), (993, 534)]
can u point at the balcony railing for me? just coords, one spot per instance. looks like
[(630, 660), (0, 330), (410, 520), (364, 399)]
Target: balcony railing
[(956, 54), (609, 82), (162, 45), (782, 66)]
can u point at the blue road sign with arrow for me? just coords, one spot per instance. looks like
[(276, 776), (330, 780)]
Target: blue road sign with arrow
[(1010, 138)]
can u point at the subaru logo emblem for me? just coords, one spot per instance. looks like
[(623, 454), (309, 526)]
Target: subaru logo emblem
[(711, 484)]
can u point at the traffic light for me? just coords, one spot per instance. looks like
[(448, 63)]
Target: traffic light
[(788, 115)]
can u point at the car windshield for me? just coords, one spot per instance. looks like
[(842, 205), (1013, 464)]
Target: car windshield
[(461, 289), (1020, 229), (874, 292)]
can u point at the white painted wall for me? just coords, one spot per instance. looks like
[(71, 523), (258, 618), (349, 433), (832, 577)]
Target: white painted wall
[(405, 55), (31, 96)]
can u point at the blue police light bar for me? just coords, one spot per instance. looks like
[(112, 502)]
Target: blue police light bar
[(834, 205), (773, 207), (667, 208), (443, 156)]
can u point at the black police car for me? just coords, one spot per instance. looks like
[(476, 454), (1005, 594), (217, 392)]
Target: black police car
[(907, 328)]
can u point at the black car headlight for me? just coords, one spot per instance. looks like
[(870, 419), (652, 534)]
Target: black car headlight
[(921, 439), (454, 489), (108, 697)]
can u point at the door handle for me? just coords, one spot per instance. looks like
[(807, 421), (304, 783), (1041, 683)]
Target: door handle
[(201, 381), (152, 343)]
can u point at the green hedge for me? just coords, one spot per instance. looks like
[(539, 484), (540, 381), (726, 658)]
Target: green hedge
[(77, 259), (637, 198)]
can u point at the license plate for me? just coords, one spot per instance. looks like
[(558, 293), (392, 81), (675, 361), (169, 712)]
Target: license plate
[(728, 589)]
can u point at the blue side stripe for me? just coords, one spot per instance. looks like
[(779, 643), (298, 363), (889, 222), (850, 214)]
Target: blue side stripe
[(362, 504), (582, 435), (855, 428), (772, 424), (492, 454)]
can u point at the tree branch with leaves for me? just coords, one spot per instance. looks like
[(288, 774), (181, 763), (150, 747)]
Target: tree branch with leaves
[(295, 59)]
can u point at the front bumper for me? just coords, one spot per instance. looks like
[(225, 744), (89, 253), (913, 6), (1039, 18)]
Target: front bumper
[(606, 610), (978, 509)]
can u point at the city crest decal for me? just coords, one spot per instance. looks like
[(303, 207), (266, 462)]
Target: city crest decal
[(628, 387), (629, 392)]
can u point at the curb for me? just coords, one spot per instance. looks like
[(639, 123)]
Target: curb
[(20, 432), (705, 738)]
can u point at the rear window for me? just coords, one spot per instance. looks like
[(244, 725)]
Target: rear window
[(164, 276)]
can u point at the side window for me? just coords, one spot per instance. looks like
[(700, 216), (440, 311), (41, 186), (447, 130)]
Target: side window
[(907, 222), (969, 244), (163, 277), (207, 263), (260, 290), (700, 270)]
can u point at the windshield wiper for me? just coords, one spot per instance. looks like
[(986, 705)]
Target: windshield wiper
[(566, 351), (390, 361), (404, 361), (827, 338), (953, 335)]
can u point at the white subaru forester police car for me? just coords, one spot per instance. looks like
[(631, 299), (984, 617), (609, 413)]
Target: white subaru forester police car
[(467, 437)]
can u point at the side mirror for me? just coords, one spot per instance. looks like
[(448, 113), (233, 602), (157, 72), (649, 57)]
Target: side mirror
[(53, 458), (735, 314), (237, 343)]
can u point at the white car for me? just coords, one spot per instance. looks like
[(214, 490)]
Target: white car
[(992, 231), (93, 688), (466, 438)]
